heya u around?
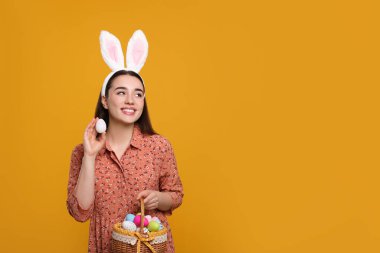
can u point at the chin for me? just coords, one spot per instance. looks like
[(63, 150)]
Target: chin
[(126, 120), (130, 120)]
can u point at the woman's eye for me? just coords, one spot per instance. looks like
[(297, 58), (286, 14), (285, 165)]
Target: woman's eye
[(139, 95), (121, 92)]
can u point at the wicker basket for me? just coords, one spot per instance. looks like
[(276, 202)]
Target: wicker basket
[(124, 241)]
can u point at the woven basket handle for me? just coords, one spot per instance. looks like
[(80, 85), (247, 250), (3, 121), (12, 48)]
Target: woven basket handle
[(142, 216)]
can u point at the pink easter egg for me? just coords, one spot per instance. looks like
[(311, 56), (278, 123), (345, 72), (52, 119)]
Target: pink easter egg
[(156, 219), (137, 221), (146, 222)]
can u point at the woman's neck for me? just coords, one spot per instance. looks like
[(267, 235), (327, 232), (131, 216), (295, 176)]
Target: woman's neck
[(119, 134)]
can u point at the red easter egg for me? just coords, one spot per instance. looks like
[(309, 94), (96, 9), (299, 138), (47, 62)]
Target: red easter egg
[(137, 221)]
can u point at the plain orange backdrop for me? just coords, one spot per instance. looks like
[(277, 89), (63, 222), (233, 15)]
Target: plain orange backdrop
[(272, 108)]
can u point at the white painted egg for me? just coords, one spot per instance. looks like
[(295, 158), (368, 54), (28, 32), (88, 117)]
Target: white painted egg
[(101, 126), (129, 225)]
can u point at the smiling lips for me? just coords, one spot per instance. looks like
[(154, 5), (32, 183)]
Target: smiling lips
[(128, 111)]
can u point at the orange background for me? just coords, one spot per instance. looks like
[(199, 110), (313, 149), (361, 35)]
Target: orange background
[(272, 108)]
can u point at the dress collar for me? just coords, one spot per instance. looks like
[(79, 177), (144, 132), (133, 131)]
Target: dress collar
[(136, 141)]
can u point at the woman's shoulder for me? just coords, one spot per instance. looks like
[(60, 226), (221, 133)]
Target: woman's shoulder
[(158, 140)]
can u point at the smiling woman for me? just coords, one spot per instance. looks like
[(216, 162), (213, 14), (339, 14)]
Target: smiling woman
[(121, 84), (112, 171)]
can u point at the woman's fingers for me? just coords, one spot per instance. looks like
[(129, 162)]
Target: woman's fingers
[(149, 198), (89, 125), (149, 207), (142, 194), (87, 131), (92, 128), (91, 143), (102, 138), (90, 133)]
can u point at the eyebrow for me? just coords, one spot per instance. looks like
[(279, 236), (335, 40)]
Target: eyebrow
[(123, 88)]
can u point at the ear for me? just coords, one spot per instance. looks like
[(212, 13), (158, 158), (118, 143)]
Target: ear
[(137, 51), (111, 50), (104, 102)]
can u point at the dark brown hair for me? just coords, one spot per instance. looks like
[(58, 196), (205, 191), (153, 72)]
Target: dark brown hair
[(143, 122)]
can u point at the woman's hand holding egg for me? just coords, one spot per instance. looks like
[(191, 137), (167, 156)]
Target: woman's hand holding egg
[(91, 144)]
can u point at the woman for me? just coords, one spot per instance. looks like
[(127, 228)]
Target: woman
[(112, 171)]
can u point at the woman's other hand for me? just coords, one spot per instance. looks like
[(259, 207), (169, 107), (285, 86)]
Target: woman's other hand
[(156, 200), (151, 199)]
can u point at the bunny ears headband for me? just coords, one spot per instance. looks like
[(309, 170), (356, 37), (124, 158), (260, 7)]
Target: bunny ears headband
[(137, 52)]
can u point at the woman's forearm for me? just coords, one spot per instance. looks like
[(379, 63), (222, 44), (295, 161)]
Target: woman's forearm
[(85, 188)]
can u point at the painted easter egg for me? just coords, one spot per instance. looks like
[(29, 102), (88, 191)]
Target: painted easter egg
[(101, 126), (153, 226), (129, 225), (149, 218), (130, 217), (137, 221), (156, 219)]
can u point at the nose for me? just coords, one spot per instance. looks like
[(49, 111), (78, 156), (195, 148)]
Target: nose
[(129, 99)]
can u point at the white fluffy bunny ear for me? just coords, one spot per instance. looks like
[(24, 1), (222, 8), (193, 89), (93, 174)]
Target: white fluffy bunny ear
[(111, 50), (137, 51)]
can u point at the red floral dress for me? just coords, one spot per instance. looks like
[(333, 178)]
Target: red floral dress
[(147, 164)]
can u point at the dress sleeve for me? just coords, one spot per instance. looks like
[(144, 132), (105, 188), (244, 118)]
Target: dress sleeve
[(73, 206), (169, 179)]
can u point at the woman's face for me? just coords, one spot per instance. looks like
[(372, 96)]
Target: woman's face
[(125, 100)]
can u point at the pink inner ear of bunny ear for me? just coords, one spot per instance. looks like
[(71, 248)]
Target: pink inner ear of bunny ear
[(112, 48), (138, 51)]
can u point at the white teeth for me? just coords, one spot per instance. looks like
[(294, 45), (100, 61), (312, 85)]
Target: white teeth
[(128, 110)]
